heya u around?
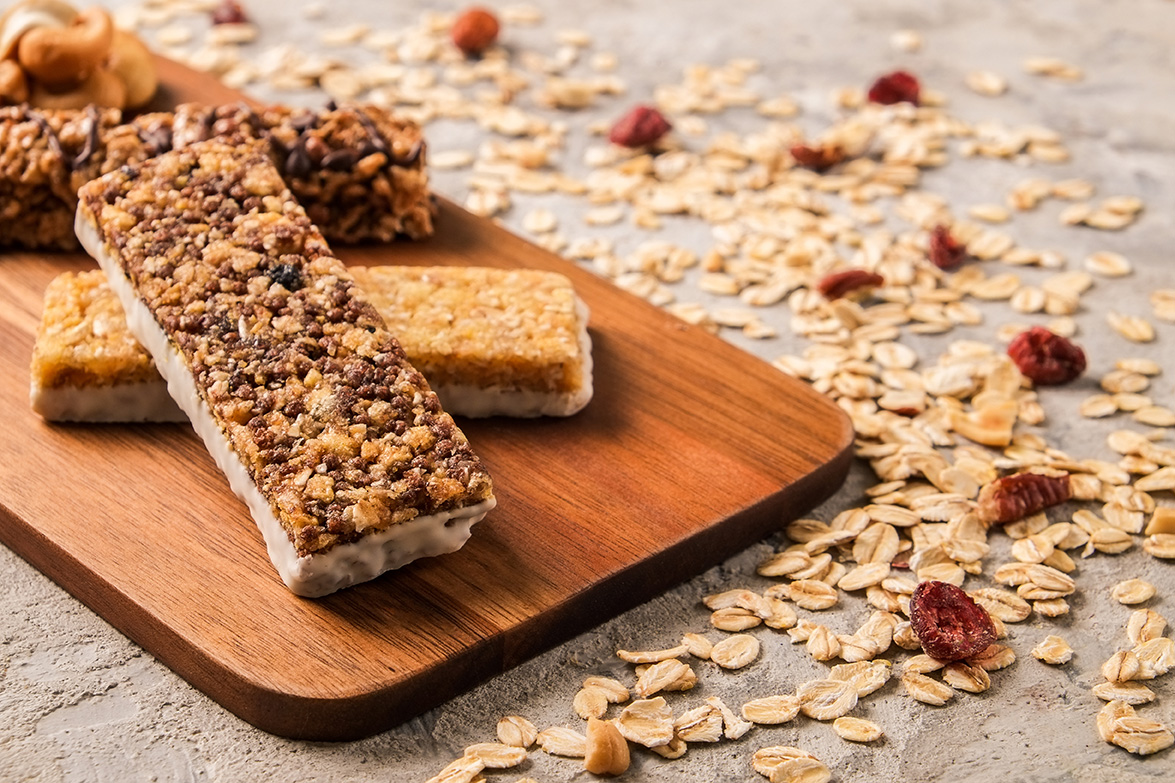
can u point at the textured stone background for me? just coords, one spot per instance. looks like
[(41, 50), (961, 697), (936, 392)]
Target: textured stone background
[(81, 703)]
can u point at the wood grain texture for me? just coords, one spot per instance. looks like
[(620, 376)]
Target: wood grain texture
[(690, 451)]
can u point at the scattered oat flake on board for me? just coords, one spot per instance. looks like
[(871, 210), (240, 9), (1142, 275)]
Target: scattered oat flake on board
[(647, 722), (497, 755), (463, 770), (1054, 67)]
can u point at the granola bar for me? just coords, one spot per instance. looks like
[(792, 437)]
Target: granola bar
[(490, 341), (45, 156), (338, 446), (358, 170)]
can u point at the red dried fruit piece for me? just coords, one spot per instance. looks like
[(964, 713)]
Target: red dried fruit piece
[(818, 158), (837, 284), (229, 12), (640, 127), (474, 31), (1015, 497), (895, 87), (945, 252), (950, 626), (1046, 358)]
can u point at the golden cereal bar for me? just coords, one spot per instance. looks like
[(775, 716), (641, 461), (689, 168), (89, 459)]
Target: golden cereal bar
[(491, 342), (338, 446), (358, 170)]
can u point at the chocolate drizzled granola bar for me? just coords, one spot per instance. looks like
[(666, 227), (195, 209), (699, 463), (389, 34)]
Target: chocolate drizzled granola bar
[(358, 170), (343, 453), (45, 156)]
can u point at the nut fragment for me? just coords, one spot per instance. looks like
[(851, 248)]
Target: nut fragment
[(606, 751), (475, 30)]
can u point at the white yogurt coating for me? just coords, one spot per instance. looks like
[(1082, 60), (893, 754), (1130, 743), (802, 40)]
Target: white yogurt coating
[(313, 575), (145, 401)]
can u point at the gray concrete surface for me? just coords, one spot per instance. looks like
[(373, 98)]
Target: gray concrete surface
[(80, 703)]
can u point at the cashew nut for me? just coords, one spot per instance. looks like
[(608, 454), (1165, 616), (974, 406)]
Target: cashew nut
[(24, 16), (14, 87), (132, 62), (101, 87), (58, 56)]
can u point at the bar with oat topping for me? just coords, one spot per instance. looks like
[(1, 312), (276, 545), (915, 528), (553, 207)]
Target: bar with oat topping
[(491, 342), (337, 444)]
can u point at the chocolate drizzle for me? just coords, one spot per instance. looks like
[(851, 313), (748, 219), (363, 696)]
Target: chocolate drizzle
[(92, 139)]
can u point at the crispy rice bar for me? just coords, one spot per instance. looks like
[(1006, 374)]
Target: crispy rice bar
[(358, 170), (490, 341), (336, 443)]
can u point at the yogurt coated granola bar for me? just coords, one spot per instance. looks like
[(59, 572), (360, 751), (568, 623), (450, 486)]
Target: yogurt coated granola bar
[(491, 342), (339, 447)]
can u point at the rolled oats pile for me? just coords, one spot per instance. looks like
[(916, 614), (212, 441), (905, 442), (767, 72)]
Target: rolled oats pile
[(951, 341)]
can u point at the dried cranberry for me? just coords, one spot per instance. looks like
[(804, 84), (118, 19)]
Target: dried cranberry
[(946, 252), (229, 12), (818, 158), (1014, 497), (640, 127), (949, 624), (1047, 358), (837, 284), (895, 87)]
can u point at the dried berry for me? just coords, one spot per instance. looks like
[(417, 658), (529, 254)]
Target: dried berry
[(1015, 497), (895, 87), (818, 158), (474, 31), (288, 276), (837, 284), (945, 251), (948, 623), (229, 12), (642, 126), (1047, 358)]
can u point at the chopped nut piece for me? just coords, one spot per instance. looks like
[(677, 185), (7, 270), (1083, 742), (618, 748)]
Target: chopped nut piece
[(606, 751)]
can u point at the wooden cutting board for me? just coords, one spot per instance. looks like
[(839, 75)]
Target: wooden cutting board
[(691, 451)]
